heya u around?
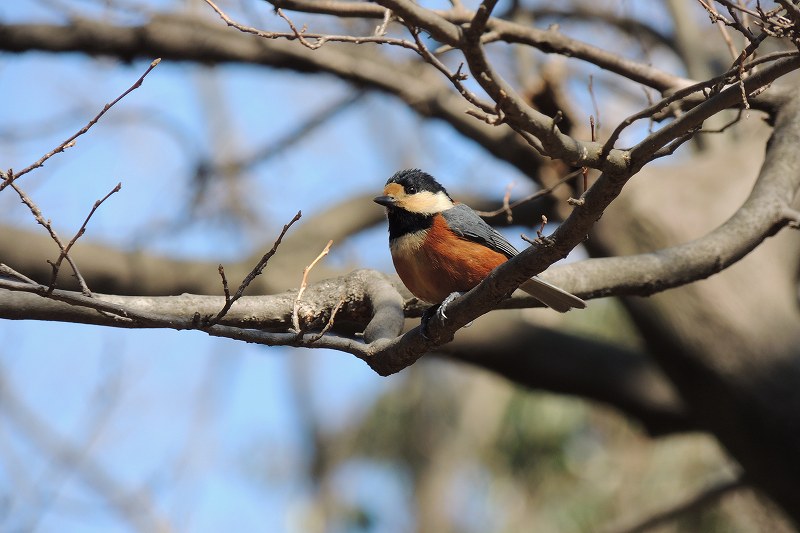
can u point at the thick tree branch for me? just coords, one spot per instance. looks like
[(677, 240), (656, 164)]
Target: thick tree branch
[(761, 216), (561, 363), (553, 42), (542, 358), (764, 213), (369, 297), (184, 38), (548, 41), (694, 118)]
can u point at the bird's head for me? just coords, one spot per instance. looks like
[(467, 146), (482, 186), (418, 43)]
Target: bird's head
[(416, 192)]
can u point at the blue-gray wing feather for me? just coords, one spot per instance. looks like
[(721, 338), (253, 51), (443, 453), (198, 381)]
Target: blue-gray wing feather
[(467, 224)]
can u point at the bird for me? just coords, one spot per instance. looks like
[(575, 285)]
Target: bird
[(441, 248)]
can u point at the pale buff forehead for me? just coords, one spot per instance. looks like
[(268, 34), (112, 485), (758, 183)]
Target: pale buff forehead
[(393, 189)]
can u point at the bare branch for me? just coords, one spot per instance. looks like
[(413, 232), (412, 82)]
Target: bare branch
[(71, 140), (331, 320), (531, 197), (548, 41), (303, 284), (523, 118), (303, 37), (257, 270), (79, 234), (37, 214), (761, 216), (7, 271), (683, 98), (333, 7), (644, 151), (455, 78)]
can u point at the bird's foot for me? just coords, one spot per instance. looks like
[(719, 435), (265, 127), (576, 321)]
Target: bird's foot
[(447, 301), (437, 310)]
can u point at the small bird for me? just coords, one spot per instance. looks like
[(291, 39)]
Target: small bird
[(441, 247)]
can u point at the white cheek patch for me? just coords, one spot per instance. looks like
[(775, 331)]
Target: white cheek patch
[(427, 203)]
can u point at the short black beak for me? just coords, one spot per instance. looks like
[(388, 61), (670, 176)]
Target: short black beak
[(388, 201)]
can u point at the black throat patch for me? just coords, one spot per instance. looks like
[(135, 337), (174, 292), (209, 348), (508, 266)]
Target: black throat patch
[(402, 222)]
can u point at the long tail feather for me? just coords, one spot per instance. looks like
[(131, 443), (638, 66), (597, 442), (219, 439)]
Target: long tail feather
[(552, 296)]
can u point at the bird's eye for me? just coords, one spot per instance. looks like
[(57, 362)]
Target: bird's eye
[(411, 189)]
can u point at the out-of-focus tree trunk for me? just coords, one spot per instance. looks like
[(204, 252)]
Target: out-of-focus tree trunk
[(731, 343)]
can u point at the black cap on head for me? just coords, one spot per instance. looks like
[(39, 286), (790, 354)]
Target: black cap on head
[(414, 180)]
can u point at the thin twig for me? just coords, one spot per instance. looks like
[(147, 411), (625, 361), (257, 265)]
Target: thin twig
[(71, 141), (78, 235), (506, 199), (329, 324), (225, 288), (299, 33), (722, 23), (539, 232), (6, 270), (541, 239), (537, 194), (585, 170), (455, 78), (37, 214), (257, 270), (673, 145), (731, 76), (596, 119), (303, 285), (303, 37), (478, 23), (380, 30)]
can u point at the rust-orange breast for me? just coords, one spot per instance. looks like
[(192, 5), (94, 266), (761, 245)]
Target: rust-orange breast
[(435, 262)]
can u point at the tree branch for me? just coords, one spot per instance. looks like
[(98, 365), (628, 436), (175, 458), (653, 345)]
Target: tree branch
[(71, 140), (541, 358), (762, 214), (184, 38)]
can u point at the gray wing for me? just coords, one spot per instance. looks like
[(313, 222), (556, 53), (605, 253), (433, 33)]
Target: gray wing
[(467, 224)]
